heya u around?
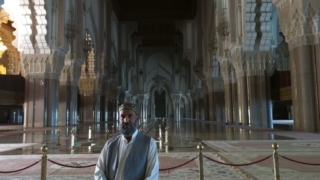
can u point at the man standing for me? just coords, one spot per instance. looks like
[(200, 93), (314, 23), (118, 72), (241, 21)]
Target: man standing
[(131, 155)]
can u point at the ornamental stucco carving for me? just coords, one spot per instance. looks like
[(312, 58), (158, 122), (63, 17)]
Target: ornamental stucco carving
[(227, 72), (254, 64), (217, 84), (46, 66), (299, 21), (159, 80), (176, 98), (70, 74)]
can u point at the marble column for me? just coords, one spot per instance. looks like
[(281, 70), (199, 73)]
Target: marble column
[(68, 104), (316, 70), (41, 102), (141, 105), (303, 70), (228, 102), (243, 100), (97, 108), (218, 99), (68, 91), (176, 106), (52, 93), (191, 108), (235, 108), (210, 107), (304, 51), (201, 103), (219, 106), (145, 109), (73, 105), (259, 101), (105, 106)]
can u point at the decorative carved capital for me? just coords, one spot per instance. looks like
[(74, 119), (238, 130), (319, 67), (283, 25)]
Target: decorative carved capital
[(198, 69), (46, 66), (217, 84), (254, 64), (70, 74), (175, 98)]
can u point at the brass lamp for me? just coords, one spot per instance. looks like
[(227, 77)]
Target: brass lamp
[(3, 48)]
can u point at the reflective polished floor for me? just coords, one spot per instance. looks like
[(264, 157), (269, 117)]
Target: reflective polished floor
[(183, 136), (229, 143)]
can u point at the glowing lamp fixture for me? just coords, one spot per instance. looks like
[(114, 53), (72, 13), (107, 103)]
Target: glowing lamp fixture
[(3, 48)]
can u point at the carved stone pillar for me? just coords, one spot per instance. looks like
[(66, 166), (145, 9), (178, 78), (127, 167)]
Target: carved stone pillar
[(141, 105), (190, 103), (243, 100), (227, 72), (41, 92), (68, 93), (176, 106), (145, 107), (304, 87), (235, 106), (253, 72), (105, 105), (210, 105), (303, 41), (219, 113)]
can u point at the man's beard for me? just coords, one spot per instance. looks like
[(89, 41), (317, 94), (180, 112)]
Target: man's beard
[(127, 129)]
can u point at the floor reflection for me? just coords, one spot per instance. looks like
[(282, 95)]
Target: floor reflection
[(182, 136)]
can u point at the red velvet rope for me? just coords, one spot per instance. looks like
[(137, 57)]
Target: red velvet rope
[(80, 137), (246, 164), (100, 132), (86, 137), (64, 165), (21, 168), (313, 164), (97, 138), (65, 138), (178, 165)]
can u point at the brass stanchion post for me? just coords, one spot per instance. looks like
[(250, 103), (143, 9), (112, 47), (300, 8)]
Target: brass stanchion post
[(166, 135), (89, 133), (89, 149), (107, 134), (44, 150), (200, 147), (275, 161), (160, 133), (72, 139), (160, 145), (58, 133)]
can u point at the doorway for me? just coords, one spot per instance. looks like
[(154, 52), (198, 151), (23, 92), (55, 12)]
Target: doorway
[(160, 103)]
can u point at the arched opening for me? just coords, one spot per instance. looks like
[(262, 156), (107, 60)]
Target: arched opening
[(160, 103)]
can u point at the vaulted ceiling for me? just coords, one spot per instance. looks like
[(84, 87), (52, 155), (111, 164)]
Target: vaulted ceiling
[(155, 10), (156, 18)]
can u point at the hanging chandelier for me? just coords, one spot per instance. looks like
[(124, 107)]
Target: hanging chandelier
[(3, 48)]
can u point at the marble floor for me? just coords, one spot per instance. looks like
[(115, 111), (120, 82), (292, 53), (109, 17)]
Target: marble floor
[(230, 144)]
